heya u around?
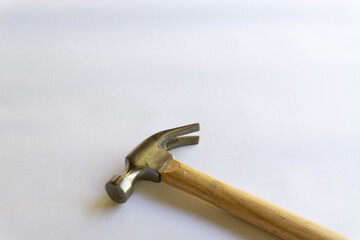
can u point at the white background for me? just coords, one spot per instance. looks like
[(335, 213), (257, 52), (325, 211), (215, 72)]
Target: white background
[(275, 86)]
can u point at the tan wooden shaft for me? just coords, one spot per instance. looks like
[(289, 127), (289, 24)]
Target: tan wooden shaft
[(254, 210)]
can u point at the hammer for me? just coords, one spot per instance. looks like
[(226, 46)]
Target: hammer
[(150, 160)]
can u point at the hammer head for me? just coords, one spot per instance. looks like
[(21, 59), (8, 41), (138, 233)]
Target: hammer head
[(148, 159)]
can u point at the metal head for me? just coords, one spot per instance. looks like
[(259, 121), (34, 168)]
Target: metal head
[(148, 159)]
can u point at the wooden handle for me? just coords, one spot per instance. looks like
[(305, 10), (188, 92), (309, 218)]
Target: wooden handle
[(256, 211)]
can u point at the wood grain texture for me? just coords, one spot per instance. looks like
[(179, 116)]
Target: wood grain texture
[(254, 210)]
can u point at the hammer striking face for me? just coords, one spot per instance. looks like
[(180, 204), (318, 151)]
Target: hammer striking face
[(151, 161), (147, 160)]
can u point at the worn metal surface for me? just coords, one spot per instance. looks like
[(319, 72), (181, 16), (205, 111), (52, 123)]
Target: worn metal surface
[(147, 159)]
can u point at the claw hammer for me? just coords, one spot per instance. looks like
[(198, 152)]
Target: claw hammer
[(150, 160)]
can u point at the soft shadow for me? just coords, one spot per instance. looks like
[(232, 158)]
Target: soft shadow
[(103, 205), (184, 202)]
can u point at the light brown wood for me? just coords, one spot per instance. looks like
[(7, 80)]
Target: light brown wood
[(254, 210)]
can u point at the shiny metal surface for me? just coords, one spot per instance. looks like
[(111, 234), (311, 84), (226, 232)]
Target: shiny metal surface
[(146, 160)]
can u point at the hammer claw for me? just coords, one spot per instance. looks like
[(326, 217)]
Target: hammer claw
[(175, 132), (181, 141)]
